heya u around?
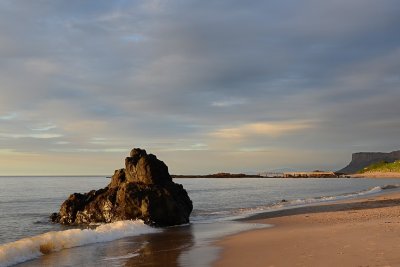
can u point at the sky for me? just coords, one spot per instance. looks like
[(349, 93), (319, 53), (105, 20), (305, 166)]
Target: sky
[(207, 86)]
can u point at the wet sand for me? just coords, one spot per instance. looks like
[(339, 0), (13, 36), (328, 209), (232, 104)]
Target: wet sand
[(181, 246), (361, 232)]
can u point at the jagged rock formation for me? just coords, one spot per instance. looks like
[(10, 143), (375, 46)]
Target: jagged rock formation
[(143, 190), (361, 160)]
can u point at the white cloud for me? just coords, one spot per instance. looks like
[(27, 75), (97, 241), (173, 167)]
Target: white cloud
[(35, 136), (100, 141), (8, 116), (62, 143), (229, 102), (44, 127), (192, 147), (89, 150), (272, 129), (10, 152)]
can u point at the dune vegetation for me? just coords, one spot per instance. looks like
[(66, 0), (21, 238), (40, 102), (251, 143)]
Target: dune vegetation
[(382, 166)]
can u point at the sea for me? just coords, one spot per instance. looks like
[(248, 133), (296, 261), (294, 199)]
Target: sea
[(28, 238)]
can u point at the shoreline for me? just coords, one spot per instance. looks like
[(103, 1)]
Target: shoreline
[(354, 232)]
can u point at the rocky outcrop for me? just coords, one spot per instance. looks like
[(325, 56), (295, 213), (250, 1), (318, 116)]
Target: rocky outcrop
[(143, 190), (361, 160)]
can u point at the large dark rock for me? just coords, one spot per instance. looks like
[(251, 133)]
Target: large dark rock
[(361, 160), (143, 190)]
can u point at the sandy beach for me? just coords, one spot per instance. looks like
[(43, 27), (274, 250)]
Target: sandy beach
[(361, 232), (384, 175)]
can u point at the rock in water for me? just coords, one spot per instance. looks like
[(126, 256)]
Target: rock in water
[(143, 190)]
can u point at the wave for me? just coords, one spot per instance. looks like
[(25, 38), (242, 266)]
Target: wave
[(370, 191), (32, 247), (241, 213)]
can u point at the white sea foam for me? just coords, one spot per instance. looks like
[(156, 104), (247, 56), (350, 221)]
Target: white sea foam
[(127, 256), (33, 247), (287, 204), (370, 191)]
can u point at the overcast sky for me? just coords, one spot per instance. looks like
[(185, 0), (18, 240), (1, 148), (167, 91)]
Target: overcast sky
[(205, 85)]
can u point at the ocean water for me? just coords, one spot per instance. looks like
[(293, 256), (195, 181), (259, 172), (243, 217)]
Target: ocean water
[(27, 238)]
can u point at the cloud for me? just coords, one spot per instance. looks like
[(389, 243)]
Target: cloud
[(8, 152), (35, 136), (44, 127), (228, 102), (233, 76), (270, 129), (89, 150), (9, 116)]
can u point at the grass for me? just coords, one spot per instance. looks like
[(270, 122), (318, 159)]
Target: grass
[(382, 166)]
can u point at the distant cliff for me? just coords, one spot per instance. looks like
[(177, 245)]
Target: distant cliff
[(361, 160)]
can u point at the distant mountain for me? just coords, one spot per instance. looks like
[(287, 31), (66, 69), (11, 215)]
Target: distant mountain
[(361, 160)]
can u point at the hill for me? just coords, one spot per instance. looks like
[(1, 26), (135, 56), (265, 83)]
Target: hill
[(382, 167), (361, 160)]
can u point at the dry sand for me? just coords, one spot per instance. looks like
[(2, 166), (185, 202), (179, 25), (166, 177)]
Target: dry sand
[(376, 175), (363, 232)]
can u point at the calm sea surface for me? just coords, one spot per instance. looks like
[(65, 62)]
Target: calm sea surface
[(27, 202)]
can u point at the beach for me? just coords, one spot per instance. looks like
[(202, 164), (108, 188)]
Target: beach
[(383, 175), (357, 232)]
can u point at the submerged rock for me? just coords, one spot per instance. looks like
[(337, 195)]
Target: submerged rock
[(143, 190)]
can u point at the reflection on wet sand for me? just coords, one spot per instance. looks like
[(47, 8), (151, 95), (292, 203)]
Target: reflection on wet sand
[(162, 250), (181, 246)]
